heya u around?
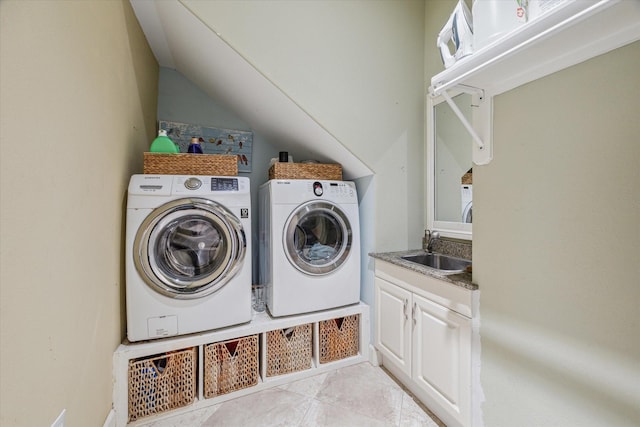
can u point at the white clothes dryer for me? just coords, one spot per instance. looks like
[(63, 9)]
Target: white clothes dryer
[(467, 203), (309, 245), (188, 254)]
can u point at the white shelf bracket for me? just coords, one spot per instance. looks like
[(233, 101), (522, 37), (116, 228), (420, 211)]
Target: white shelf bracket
[(481, 125), (482, 104), (463, 119), (480, 128)]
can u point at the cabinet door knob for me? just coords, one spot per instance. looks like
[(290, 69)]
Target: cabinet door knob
[(404, 309)]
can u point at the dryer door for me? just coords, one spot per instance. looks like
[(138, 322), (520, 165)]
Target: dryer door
[(189, 248), (467, 213), (317, 238)]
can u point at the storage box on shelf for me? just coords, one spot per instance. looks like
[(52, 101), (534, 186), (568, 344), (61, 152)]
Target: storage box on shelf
[(230, 365), (190, 164), (339, 338), (222, 372), (283, 170), (162, 382), (288, 350)]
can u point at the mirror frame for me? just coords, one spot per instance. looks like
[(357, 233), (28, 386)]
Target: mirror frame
[(456, 230)]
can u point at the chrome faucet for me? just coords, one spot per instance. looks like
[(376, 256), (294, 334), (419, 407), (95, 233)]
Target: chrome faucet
[(428, 239)]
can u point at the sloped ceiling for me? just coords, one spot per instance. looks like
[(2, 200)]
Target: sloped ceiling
[(180, 41)]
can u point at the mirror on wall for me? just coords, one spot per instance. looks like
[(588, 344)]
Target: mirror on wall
[(449, 168)]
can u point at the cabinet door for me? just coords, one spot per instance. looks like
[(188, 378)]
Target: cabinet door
[(393, 324), (442, 357)]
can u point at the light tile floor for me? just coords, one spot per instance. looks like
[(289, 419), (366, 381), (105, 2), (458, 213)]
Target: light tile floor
[(359, 395)]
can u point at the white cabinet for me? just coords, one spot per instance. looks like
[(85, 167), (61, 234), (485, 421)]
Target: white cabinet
[(424, 341), (393, 331), (441, 356)]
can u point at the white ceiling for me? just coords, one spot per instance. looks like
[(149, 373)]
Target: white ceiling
[(181, 41)]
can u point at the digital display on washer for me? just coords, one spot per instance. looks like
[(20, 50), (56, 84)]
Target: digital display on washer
[(224, 184)]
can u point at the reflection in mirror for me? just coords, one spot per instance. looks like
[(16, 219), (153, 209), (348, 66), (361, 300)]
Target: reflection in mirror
[(453, 147), (449, 155)]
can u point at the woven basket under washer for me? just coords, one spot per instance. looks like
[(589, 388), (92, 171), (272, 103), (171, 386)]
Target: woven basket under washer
[(190, 164), (339, 338), (163, 382), (283, 170), (230, 365), (288, 350)]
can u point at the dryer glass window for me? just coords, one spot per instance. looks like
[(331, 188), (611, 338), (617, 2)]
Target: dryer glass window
[(317, 238)]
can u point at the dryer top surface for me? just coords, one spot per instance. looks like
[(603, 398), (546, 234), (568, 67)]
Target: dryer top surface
[(296, 191)]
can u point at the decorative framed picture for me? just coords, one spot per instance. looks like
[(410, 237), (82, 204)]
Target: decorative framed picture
[(213, 140)]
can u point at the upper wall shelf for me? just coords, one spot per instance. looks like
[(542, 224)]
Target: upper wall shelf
[(568, 34)]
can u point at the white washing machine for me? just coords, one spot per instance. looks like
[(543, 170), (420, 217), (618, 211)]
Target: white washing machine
[(467, 203), (188, 254), (309, 245)]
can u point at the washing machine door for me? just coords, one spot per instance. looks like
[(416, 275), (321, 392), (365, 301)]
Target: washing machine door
[(189, 248), (317, 238)]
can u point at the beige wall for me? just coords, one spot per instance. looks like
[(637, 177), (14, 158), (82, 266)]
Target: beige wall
[(357, 68), (556, 246), (78, 103)]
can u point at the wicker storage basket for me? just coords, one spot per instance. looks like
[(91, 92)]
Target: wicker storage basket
[(288, 350), (162, 382), (339, 338), (230, 365), (190, 164), (467, 179), (305, 171)]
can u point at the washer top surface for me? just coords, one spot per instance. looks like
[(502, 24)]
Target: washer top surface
[(146, 190), (285, 191)]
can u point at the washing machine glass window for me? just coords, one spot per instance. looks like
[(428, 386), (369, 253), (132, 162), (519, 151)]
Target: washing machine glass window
[(189, 248), (317, 238)]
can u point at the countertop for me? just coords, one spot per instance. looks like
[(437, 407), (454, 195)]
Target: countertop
[(461, 279)]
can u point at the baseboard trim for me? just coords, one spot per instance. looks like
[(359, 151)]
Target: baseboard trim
[(374, 356), (111, 419)]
